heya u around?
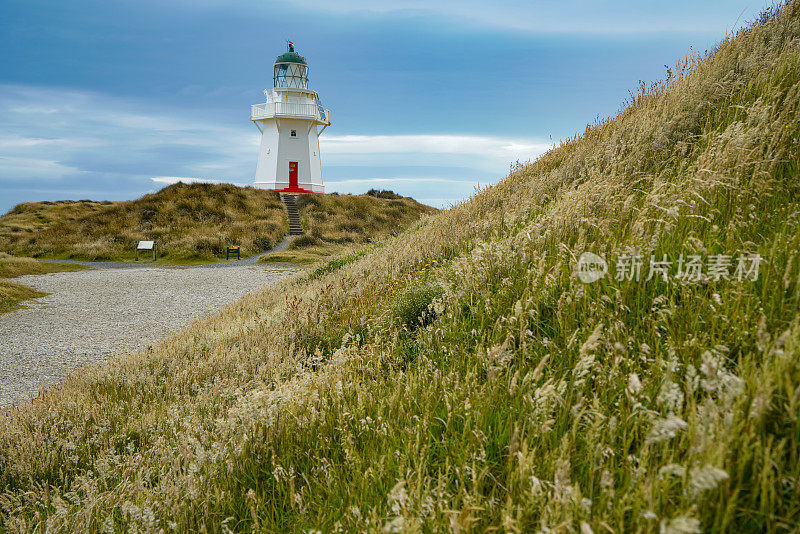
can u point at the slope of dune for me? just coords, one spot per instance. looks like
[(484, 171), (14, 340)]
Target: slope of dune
[(192, 223)]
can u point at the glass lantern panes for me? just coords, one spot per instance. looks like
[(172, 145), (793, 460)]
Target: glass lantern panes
[(292, 75)]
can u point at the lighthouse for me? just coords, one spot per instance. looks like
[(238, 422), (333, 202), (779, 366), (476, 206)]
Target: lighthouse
[(290, 122)]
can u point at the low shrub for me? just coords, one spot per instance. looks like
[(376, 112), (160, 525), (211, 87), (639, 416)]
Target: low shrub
[(384, 193), (411, 307)]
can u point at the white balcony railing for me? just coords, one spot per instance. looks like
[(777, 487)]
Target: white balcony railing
[(288, 109)]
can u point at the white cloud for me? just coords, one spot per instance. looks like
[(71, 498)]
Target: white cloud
[(487, 155), (95, 142), (21, 142), (33, 168), (92, 132), (396, 180), (495, 147)]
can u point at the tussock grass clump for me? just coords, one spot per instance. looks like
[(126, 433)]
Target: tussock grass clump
[(29, 217), (344, 219), (531, 401), (339, 225), (191, 222), (412, 306)]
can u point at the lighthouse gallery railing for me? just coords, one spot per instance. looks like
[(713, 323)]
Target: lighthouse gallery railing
[(290, 109)]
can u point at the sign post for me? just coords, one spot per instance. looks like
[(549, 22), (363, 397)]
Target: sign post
[(145, 245), (230, 250)]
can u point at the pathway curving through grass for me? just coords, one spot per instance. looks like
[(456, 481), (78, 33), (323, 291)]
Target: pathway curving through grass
[(92, 316)]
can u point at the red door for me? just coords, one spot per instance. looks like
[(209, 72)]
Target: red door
[(292, 175)]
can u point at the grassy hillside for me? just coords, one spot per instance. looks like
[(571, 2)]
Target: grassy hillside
[(29, 217), (461, 377), (335, 223), (13, 293), (196, 222), (191, 222)]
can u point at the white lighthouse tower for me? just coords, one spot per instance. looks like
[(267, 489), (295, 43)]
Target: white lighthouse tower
[(290, 121)]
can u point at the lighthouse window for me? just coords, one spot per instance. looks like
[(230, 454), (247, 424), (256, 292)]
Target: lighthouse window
[(294, 133)]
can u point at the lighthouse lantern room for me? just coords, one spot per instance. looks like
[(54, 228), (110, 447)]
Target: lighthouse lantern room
[(290, 121)]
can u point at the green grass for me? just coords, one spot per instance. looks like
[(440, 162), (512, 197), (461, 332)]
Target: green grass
[(306, 255), (11, 293), (338, 262), (527, 400)]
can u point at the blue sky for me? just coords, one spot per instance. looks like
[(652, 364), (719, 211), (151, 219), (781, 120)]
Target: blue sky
[(114, 99)]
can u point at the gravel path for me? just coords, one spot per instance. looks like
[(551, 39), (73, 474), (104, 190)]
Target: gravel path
[(92, 316)]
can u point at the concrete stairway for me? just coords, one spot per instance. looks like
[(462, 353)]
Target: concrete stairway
[(290, 201)]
